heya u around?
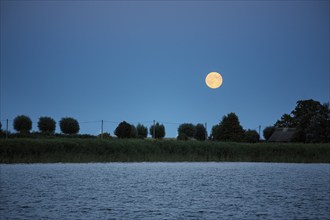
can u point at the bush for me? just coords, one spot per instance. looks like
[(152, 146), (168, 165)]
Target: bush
[(251, 136), (123, 130), (142, 131), (46, 125), (105, 135), (186, 130), (22, 124), (69, 126), (159, 131)]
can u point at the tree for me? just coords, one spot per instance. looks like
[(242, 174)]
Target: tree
[(142, 131), (268, 131), (310, 119), (69, 126), (215, 132), (251, 136), (229, 129), (186, 130), (47, 125), (286, 121), (22, 124), (304, 111), (159, 130), (182, 137), (133, 132), (318, 129), (200, 133), (123, 130), (1, 133)]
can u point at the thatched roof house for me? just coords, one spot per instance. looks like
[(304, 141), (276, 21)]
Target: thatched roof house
[(282, 135)]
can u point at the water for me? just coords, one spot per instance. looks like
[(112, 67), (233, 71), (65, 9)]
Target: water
[(165, 191)]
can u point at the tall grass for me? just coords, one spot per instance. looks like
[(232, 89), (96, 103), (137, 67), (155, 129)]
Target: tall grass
[(135, 150)]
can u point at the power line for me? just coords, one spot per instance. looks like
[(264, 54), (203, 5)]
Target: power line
[(89, 122)]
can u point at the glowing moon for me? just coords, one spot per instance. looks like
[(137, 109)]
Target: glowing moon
[(213, 80)]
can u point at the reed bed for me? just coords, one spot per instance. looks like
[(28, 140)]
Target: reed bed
[(77, 150)]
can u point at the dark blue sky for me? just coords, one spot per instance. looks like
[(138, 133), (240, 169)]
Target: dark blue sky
[(142, 60)]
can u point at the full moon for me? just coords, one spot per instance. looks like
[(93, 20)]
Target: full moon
[(213, 80)]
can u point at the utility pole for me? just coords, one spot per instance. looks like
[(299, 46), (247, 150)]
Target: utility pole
[(259, 132), (153, 130), (102, 129), (205, 131)]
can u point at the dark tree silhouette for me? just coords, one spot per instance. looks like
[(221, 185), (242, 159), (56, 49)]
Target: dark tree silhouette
[(200, 133), (186, 131), (318, 129), (123, 130), (286, 121), (311, 120), (134, 133), (47, 125), (22, 124), (304, 111), (229, 129), (268, 131), (69, 126), (159, 130), (142, 131), (251, 136)]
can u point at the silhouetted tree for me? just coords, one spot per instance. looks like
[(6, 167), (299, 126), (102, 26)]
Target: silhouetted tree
[(159, 130), (123, 130), (47, 125), (318, 129), (229, 129), (268, 131), (311, 119), (134, 133), (22, 124), (142, 131), (186, 131), (251, 136), (69, 126), (304, 111), (0, 126), (182, 137), (286, 121), (215, 132), (200, 133)]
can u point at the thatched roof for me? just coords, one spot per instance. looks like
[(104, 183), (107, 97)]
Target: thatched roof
[(282, 135)]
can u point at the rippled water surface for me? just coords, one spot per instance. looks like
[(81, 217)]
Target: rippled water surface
[(165, 191)]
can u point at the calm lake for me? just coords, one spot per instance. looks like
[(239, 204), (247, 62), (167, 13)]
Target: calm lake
[(165, 191)]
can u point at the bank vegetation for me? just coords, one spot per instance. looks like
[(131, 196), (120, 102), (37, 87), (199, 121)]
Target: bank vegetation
[(78, 150)]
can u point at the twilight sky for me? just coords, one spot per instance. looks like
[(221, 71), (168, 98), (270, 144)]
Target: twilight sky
[(141, 61)]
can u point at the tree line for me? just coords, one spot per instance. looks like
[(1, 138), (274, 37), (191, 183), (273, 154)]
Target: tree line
[(69, 126), (22, 124), (311, 121), (310, 118)]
